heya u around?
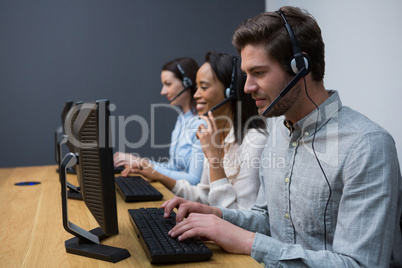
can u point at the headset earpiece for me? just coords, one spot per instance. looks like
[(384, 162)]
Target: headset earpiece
[(300, 59), (187, 83), (228, 92), (293, 64)]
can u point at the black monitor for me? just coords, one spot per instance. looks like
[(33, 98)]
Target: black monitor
[(93, 159), (68, 117)]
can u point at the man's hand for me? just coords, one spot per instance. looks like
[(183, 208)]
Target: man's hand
[(185, 207), (210, 227)]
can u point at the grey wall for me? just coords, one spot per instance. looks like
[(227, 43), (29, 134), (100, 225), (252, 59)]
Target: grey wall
[(54, 51)]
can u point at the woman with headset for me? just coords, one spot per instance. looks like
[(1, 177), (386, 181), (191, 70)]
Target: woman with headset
[(232, 138), (185, 153)]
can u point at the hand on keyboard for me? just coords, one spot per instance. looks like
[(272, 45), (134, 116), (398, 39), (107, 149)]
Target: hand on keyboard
[(210, 227), (185, 207), (152, 229), (206, 222)]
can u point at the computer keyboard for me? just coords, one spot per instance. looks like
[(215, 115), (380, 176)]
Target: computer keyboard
[(136, 189), (152, 230)]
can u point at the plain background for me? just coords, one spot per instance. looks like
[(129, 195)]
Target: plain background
[(54, 51), (362, 55)]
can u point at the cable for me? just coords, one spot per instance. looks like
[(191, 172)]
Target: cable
[(319, 163)]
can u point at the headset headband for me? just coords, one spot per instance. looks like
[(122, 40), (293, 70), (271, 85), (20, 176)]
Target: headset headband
[(297, 53)]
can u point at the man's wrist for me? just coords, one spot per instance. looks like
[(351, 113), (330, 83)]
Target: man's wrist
[(249, 241), (217, 212)]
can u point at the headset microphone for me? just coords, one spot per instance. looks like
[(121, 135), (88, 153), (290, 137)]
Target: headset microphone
[(219, 104), (181, 92), (288, 87), (230, 91)]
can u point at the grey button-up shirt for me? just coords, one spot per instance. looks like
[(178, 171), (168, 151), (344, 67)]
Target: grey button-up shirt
[(358, 190)]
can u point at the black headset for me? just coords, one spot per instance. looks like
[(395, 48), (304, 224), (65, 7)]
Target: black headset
[(187, 83), (299, 59), (299, 65), (231, 90)]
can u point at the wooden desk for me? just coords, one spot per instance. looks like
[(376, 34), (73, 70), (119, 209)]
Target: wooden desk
[(32, 233)]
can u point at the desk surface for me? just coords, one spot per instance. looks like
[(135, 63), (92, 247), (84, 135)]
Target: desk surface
[(32, 233)]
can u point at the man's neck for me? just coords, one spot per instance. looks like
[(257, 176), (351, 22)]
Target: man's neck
[(305, 105)]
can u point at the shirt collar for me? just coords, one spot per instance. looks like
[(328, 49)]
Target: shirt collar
[(327, 110), (185, 116), (289, 126)]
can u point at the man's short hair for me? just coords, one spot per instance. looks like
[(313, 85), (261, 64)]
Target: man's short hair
[(269, 29)]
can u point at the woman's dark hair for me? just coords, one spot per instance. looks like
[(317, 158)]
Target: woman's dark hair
[(190, 68), (269, 29), (242, 104)]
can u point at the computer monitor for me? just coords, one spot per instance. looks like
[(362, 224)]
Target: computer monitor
[(93, 160), (69, 114)]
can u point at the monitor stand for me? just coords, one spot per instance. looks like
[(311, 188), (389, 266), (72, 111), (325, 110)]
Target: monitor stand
[(69, 171), (73, 191), (87, 248), (85, 243)]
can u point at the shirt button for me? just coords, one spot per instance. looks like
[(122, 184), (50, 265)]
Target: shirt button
[(287, 180), (287, 215), (306, 133), (294, 144)]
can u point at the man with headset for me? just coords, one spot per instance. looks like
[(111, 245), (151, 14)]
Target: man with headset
[(335, 199)]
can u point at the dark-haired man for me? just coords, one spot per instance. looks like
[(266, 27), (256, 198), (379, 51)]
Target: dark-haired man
[(336, 199)]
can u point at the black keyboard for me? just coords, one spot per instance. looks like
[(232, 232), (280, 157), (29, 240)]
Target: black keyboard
[(136, 189), (152, 230)]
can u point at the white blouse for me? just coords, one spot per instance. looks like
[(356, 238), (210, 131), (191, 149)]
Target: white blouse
[(241, 163)]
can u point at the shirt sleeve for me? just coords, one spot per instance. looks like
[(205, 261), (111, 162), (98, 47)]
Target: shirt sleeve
[(240, 190), (367, 218), (193, 173)]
